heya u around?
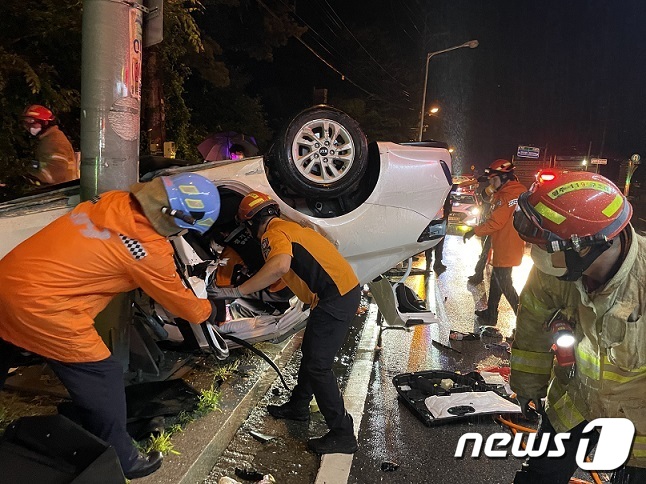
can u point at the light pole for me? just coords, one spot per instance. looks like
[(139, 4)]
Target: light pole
[(633, 164), (472, 44)]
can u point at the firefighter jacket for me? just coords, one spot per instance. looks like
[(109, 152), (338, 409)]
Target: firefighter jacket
[(507, 245), (58, 280), (609, 378), (318, 273), (55, 156)]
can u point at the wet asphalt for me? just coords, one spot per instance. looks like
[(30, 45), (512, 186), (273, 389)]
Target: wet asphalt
[(394, 445), (390, 433)]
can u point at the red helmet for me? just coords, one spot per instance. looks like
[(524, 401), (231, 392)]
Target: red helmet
[(571, 209), (38, 112), (253, 203), (498, 168)]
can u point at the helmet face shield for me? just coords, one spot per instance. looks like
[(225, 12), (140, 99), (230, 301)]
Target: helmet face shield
[(529, 224)]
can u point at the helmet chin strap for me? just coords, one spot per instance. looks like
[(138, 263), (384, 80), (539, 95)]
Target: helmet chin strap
[(255, 224), (577, 264)]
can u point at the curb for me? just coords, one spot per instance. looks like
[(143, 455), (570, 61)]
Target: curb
[(205, 439)]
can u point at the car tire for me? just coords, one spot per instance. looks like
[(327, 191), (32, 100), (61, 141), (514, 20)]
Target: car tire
[(322, 154)]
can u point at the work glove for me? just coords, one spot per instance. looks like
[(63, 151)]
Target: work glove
[(467, 235), (215, 292), (528, 412)]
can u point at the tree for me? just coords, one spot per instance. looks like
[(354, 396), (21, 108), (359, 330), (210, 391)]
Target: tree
[(39, 64), (207, 84)]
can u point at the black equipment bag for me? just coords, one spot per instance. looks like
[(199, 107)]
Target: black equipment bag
[(54, 450)]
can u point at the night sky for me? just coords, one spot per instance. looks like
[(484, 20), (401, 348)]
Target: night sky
[(554, 74)]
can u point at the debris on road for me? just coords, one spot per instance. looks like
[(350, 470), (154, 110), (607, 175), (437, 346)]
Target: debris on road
[(228, 480), (388, 466), (249, 474), (441, 346), (459, 336), (260, 437)]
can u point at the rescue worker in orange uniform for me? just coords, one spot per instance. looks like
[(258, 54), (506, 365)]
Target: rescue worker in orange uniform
[(315, 271), (507, 245), (232, 271), (55, 158), (590, 265), (57, 281)]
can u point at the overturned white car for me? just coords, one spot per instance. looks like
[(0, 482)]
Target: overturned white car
[(378, 203)]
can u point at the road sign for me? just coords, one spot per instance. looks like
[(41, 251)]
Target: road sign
[(528, 152), (598, 161), (153, 22)]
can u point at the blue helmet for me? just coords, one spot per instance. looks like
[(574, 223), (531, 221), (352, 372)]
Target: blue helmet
[(194, 201)]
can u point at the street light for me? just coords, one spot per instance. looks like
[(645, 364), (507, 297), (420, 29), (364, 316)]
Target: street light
[(472, 44)]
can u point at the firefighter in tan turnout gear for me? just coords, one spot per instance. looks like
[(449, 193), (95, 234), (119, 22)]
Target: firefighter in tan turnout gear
[(590, 266)]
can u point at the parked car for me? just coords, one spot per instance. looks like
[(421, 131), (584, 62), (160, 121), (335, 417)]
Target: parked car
[(379, 203), (466, 208)]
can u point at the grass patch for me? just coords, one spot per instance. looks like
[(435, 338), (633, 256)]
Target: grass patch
[(224, 372), (209, 400), (161, 443), (14, 405)]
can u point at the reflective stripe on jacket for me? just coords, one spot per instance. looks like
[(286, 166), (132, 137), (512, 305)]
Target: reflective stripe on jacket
[(56, 282), (610, 328), (507, 245)]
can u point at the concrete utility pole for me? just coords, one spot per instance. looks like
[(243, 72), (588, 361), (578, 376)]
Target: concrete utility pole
[(110, 95), (110, 118)]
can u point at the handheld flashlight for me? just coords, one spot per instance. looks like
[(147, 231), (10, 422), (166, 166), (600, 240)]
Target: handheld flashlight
[(563, 337)]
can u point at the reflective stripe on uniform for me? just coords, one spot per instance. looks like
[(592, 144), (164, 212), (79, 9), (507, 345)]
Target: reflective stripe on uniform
[(531, 361), (620, 375), (639, 447), (590, 365), (565, 411), (587, 363)]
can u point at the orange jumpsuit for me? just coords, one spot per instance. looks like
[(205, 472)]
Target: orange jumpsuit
[(507, 245), (56, 282)]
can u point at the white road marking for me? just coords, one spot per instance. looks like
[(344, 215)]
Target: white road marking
[(335, 468)]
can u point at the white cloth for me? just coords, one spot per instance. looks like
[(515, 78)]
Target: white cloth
[(482, 402)]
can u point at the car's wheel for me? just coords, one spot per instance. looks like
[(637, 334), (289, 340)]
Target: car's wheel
[(322, 154)]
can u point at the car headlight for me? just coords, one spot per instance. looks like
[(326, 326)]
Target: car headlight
[(475, 211)]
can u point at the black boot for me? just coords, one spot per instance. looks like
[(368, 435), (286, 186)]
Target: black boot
[(144, 465), (487, 318), (290, 411), (475, 279), (334, 443), (482, 314)]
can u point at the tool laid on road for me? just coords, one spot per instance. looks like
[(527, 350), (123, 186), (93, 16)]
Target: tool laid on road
[(490, 332), (502, 350), (260, 437), (441, 346), (459, 336)]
